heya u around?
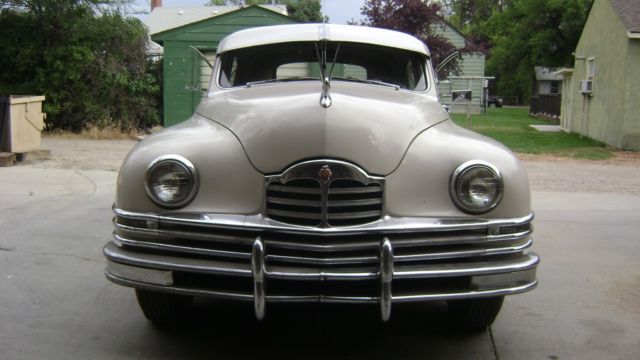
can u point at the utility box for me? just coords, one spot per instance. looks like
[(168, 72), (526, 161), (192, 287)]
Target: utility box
[(21, 122)]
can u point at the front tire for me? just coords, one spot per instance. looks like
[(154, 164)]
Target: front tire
[(163, 308), (475, 314)]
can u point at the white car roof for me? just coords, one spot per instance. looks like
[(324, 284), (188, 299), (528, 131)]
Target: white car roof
[(317, 32)]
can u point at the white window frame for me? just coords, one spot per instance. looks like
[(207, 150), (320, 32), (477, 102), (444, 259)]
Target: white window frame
[(591, 68)]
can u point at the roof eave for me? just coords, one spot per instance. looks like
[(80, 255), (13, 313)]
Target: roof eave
[(633, 35), (564, 71), (158, 35)]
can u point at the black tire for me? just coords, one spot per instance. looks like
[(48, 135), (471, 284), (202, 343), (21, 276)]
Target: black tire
[(475, 314), (163, 308)]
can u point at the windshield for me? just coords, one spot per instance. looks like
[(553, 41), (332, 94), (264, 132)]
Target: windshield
[(302, 61)]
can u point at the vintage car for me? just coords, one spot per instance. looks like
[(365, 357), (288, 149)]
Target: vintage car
[(320, 167), (496, 101)]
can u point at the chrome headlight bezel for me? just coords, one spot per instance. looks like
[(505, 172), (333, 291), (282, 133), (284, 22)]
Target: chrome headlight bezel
[(188, 168), (457, 177)]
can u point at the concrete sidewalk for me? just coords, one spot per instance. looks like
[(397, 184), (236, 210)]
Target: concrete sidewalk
[(55, 302)]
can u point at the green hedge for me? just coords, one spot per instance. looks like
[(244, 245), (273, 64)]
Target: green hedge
[(91, 66)]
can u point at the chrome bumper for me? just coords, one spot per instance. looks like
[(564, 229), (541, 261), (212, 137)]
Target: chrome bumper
[(390, 261)]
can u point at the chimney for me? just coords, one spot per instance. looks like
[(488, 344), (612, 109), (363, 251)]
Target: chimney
[(155, 4)]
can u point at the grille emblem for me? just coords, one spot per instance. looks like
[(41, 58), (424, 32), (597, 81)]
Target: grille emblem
[(325, 174)]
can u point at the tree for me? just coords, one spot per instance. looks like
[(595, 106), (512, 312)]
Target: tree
[(306, 10), (472, 13), (52, 7), (238, 2), (471, 17), (303, 10), (87, 59), (245, 2), (529, 33), (418, 18)]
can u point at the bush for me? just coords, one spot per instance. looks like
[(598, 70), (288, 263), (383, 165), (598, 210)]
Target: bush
[(92, 67)]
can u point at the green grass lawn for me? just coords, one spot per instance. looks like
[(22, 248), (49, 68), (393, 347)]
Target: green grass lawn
[(511, 127)]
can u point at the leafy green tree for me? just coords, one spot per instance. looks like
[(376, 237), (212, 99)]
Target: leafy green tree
[(529, 33), (470, 14), (306, 11), (471, 18), (303, 10), (87, 59), (246, 2)]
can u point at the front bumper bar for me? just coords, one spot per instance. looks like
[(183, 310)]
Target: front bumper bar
[(488, 278)]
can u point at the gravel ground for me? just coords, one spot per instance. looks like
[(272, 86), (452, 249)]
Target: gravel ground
[(85, 154), (620, 175)]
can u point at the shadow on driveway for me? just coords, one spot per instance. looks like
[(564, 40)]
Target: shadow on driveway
[(228, 330)]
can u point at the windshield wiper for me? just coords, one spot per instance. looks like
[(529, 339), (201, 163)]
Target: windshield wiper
[(260, 82), (379, 82), (370, 81)]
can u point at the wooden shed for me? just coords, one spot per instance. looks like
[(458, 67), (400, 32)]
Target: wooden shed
[(185, 74)]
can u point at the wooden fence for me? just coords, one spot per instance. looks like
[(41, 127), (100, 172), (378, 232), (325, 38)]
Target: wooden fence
[(547, 105)]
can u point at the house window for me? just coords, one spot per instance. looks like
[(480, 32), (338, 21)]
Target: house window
[(555, 87), (591, 68)]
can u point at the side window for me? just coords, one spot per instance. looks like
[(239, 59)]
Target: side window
[(411, 75), (234, 70), (228, 72), (415, 76)]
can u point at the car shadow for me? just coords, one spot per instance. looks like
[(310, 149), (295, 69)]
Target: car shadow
[(313, 331)]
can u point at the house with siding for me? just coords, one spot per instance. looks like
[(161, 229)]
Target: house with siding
[(471, 74), (548, 81), (176, 31), (601, 94)]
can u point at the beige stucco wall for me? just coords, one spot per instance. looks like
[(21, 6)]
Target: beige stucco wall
[(567, 101), (603, 115), (631, 133)]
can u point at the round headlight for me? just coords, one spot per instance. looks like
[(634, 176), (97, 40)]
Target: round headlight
[(476, 187), (172, 181)]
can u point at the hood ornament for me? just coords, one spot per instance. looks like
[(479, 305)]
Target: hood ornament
[(325, 97), (325, 173), (321, 53)]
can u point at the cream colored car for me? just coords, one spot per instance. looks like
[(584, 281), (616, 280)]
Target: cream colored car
[(320, 167)]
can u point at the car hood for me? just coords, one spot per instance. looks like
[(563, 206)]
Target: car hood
[(282, 123)]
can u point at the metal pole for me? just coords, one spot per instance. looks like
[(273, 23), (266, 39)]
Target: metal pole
[(469, 83)]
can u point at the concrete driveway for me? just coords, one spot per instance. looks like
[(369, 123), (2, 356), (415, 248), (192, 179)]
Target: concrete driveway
[(56, 304)]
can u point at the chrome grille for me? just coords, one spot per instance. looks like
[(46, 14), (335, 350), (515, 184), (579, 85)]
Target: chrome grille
[(298, 202), (324, 193), (303, 202), (351, 203)]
